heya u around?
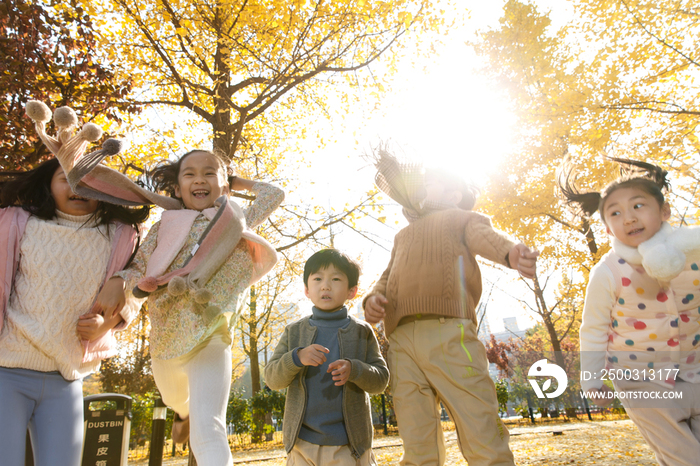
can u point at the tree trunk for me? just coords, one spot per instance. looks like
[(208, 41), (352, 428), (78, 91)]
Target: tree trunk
[(556, 347), (258, 418)]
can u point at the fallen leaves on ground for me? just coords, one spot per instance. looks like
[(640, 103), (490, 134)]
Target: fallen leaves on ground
[(602, 443), (611, 443)]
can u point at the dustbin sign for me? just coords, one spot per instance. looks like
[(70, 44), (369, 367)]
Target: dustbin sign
[(106, 441)]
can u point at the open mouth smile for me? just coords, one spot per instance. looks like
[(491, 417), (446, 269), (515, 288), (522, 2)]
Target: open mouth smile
[(200, 194)]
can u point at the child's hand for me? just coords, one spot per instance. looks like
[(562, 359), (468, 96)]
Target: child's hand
[(603, 401), (93, 326), (523, 260), (313, 355), (374, 308), (111, 299), (341, 371)]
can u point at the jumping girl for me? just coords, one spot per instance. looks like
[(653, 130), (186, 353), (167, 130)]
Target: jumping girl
[(640, 320), (193, 307)]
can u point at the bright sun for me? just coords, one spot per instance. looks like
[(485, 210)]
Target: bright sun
[(448, 116)]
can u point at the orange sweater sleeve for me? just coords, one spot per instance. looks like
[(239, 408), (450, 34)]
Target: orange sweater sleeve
[(486, 242)]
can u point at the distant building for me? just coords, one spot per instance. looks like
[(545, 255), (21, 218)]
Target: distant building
[(511, 324), (356, 310), (493, 372), (511, 331)]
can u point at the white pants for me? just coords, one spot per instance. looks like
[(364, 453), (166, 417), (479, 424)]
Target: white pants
[(197, 385)]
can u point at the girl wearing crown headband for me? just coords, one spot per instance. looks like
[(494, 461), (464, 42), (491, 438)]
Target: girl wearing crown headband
[(641, 327), (58, 249), (192, 304)]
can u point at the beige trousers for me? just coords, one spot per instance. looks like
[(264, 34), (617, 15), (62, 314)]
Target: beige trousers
[(671, 426), (441, 360), (309, 454)]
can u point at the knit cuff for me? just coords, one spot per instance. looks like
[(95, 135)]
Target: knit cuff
[(295, 357), (355, 370)]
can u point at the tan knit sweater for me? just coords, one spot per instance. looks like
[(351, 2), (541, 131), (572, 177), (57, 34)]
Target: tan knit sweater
[(423, 276)]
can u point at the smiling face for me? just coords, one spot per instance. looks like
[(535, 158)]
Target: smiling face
[(66, 200), (201, 181), (633, 216), (328, 289)]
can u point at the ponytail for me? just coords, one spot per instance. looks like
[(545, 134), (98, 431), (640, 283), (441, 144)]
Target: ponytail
[(633, 174)]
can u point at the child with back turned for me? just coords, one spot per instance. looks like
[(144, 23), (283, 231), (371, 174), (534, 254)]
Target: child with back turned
[(329, 361), (640, 325), (427, 298)]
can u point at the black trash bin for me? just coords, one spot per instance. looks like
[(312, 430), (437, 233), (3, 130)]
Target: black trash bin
[(106, 441)]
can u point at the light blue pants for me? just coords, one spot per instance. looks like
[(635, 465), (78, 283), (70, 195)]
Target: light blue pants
[(51, 407)]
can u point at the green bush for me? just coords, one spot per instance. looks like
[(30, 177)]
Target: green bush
[(265, 404), (523, 410), (502, 395), (142, 419), (238, 413), (376, 401)]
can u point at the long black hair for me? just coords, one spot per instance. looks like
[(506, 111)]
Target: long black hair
[(164, 177), (649, 178), (31, 190)]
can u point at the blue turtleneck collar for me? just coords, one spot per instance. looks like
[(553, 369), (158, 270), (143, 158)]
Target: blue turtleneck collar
[(327, 317)]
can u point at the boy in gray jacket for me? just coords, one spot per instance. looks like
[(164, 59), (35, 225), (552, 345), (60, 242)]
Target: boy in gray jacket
[(330, 361)]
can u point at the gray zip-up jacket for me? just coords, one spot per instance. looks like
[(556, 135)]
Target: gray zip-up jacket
[(369, 374)]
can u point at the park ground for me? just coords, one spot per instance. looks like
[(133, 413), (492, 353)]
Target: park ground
[(605, 443)]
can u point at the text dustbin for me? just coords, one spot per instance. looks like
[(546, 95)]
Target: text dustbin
[(106, 441)]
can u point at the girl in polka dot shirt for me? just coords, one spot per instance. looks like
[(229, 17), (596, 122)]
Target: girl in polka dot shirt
[(641, 326)]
